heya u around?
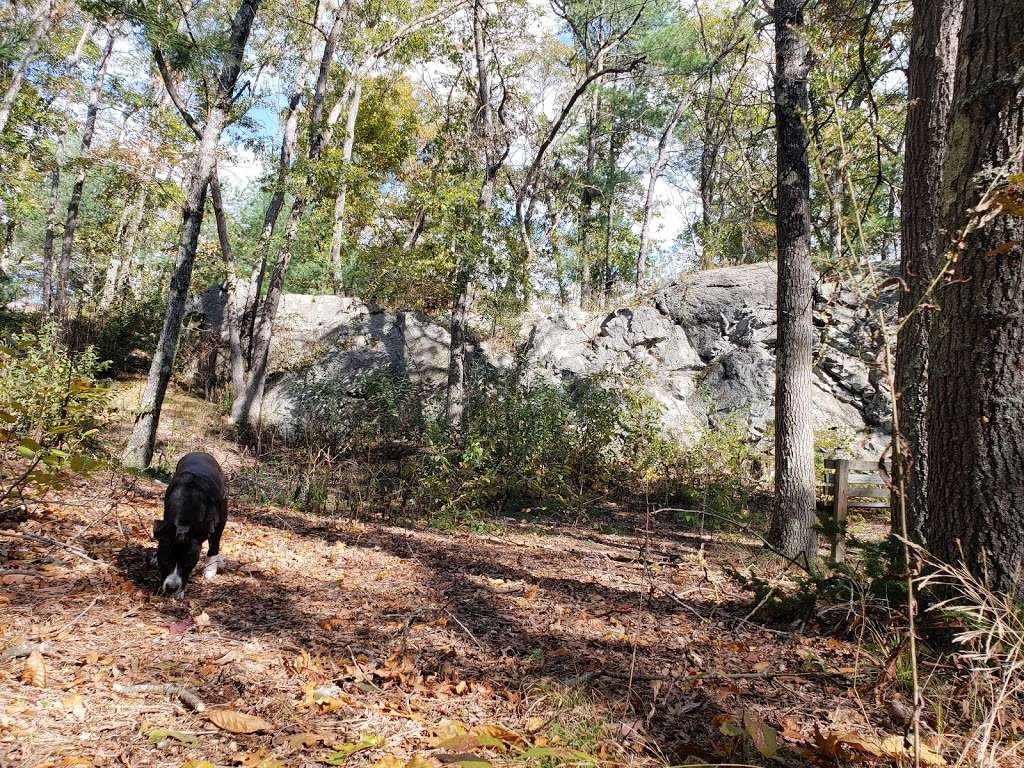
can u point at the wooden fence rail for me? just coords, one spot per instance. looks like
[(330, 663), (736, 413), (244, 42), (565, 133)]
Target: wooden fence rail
[(850, 484)]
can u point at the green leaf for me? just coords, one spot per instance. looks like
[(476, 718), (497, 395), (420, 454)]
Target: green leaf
[(30, 445), (344, 751), (157, 735)]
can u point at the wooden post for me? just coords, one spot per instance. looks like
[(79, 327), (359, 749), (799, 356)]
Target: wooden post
[(840, 506)]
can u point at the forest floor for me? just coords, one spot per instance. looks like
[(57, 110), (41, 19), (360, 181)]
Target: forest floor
[(362, 643)]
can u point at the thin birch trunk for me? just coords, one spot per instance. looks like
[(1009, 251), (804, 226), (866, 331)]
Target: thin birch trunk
[(42, 19), (338, 233), (60, 302), (660, 163)]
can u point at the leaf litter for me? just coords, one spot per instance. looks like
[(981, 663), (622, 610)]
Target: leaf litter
[(333, 642)]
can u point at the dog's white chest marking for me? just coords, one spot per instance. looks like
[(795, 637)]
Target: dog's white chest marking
[(173, 581), (212, 565)]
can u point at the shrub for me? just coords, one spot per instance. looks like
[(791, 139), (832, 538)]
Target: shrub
[(539, 445), (722, 472), (52, 404)]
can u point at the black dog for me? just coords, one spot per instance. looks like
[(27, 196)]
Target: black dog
[(195, 509)]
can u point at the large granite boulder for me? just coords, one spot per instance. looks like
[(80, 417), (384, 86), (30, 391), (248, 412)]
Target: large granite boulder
[(703, 346)]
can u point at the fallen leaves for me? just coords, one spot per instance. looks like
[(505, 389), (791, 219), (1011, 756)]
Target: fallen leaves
[(238, 722), (764, 737), (34, 673), (343, 752), (855, 747), (160, 736)]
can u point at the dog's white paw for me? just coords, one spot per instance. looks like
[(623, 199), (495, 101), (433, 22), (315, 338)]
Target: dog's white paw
[(212, 565), (179, 594)]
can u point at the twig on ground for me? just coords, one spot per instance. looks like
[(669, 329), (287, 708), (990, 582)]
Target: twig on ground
[(712, 675), (54, 543), (464, 628), (185, 696)]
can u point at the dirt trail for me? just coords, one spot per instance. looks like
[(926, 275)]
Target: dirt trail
[(333, 631)]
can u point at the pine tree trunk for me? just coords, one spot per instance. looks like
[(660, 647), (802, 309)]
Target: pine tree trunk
[(139, 451), (42, 20), (794, 519), (976, 350), (60, 290), (934, 38)]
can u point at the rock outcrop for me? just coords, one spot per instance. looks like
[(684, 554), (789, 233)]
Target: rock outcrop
[(703, 345)]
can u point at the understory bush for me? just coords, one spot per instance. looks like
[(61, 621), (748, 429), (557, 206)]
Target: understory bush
[(721, 473), (52, 405), (540, 445)]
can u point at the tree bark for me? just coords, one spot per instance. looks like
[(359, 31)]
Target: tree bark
[(660, 163), (793, 522), (483, 128), (60, 291), (289, 142), (42, 20), (341, 197), (976, 349), (246, 409), (231, 318), (933, 43), (139, 451), (50, 237)]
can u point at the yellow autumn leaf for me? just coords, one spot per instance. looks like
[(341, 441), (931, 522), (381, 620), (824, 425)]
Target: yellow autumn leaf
[(74, 705), (389, 762), (896, 748), (35, 671), (534, 724), (238, 722), (503, 734)]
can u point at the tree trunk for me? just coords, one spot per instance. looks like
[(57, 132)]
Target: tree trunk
[(455, 391), (139, 451), (246, 409), (338, 233), (60, 300), (660, 163), (587, 196), (708, 156), (50, 237), (976, 349), (289, 142), (793, 522), (231, 318), (42, 20), (933, 43)]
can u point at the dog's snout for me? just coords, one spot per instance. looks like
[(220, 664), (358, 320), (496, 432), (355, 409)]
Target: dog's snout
[(173, 581)]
